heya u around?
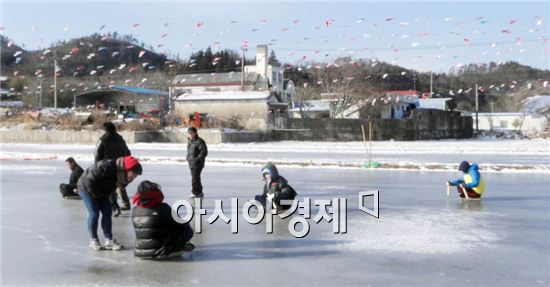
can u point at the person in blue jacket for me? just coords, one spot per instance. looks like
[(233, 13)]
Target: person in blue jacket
[(471, 182)]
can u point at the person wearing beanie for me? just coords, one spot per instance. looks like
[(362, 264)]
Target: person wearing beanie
[(68, 189), (95, 187), (276, 188), (158, 235), (471, 183), (196, 156), (112, 146)]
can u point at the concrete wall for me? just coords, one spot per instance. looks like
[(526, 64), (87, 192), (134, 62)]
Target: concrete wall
[(253, 113), (211, 137), (91, 137), (425, 125), (58, 136)]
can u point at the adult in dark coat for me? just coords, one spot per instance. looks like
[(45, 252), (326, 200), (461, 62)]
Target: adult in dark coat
[(69, 190), (196, 156), (112, 146), (95, 187), (158, 235)]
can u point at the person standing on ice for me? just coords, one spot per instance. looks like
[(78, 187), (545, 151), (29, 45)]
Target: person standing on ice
[(112, 146), (471, 182), (196, 157), (69, 190), (95, 187), (158, 235), (276, 188)]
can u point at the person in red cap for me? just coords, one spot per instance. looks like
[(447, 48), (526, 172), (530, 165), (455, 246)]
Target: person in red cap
[(95, 187), (158, 235)]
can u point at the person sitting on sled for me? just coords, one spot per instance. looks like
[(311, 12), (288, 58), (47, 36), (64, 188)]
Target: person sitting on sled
[(276, 188), (471, 182), (69, 190), (158, 235)]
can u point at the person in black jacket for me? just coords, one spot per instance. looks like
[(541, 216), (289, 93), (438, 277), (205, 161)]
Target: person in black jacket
[(95, 187), (112, 146), (158, 235), (196, 156), (276, 188), (69, 190)]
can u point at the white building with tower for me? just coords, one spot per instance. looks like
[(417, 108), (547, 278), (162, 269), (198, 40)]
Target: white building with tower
[(250, 95)]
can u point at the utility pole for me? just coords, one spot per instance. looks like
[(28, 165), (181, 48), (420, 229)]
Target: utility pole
[(242, 69), (41, 89), (477, 111), (55, 80), (414, 82), (431, 84)]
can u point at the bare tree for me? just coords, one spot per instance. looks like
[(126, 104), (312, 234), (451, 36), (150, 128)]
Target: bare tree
[(340, 83), (304, 94)]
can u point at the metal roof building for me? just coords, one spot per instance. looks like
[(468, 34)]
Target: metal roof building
[(215, 79), (121, 98)]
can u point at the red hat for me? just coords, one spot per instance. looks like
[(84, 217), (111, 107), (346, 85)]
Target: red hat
[(131, 163)]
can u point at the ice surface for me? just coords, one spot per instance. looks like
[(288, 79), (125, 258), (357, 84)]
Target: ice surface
[(422, 238), (503, 155)]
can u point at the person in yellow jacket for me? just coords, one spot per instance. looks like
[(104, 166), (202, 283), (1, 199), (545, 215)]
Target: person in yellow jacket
[(471, 182)]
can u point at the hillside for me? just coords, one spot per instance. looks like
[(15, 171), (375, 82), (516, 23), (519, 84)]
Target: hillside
[(86, 56), (100, 60)]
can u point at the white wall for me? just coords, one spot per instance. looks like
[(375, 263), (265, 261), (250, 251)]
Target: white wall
[(253, 113), (398, 109), (176, 91), (505, 121), (274, 74)]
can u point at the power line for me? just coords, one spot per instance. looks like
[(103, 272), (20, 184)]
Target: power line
[(406, 48)]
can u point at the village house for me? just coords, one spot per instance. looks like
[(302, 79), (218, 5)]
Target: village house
[(533, 117), (124, 99), (399, 104), (443, 104), (248, 96)]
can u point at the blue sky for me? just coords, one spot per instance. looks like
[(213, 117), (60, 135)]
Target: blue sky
[(419, 35)]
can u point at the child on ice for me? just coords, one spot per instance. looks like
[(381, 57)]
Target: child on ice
[(276, 188)]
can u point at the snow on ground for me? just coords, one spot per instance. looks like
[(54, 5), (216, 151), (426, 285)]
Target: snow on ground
[(492, 155)]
